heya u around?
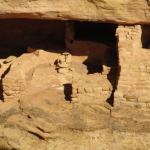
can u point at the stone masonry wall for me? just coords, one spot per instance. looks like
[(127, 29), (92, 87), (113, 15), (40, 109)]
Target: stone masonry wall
[(134, 77)]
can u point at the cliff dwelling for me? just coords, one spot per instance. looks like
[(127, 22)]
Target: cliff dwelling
[(74, 74), (83, 55), (83, 51)]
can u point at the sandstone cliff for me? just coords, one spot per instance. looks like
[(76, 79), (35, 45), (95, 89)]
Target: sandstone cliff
[(74, 74)]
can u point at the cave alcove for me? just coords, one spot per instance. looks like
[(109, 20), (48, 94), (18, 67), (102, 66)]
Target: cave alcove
[(18, 34), (99, 44)]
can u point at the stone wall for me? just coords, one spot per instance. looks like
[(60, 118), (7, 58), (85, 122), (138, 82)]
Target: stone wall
[(134, 76), (93, 88)]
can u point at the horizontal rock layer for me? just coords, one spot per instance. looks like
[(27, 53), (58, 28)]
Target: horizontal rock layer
[(117, 11)]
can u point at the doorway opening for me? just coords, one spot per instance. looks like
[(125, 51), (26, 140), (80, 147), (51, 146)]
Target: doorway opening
[(68, 91)]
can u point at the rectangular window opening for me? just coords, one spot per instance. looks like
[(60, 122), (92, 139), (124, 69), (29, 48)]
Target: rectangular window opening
[(146, 36)]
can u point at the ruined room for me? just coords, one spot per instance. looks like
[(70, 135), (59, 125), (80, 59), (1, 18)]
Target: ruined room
[(74, 74), (92, 46)]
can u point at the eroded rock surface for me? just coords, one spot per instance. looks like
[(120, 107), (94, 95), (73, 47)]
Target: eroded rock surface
[(120, 11), (75, 85), (37, 114)]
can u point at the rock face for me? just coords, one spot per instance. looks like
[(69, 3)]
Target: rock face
[(74, 75), (126, 11)]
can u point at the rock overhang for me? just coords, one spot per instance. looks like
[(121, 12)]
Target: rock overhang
[(120, 12)]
